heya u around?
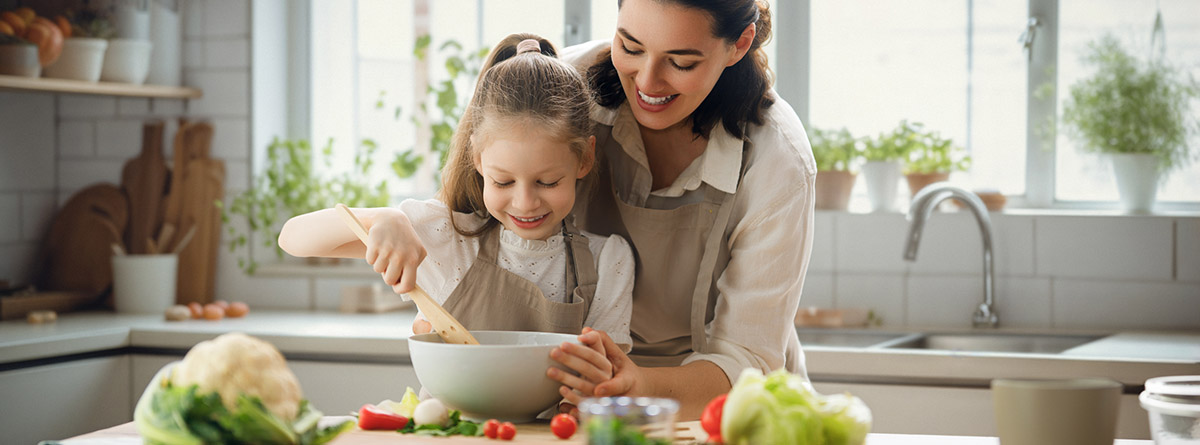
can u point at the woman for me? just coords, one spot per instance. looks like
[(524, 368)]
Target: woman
[(710, 177)]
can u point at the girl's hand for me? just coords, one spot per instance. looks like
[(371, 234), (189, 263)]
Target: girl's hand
[(603, 369), (394, 251)]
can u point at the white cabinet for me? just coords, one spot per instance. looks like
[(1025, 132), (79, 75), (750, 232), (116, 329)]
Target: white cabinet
[(335, 388), (915, 409), (61, 400)]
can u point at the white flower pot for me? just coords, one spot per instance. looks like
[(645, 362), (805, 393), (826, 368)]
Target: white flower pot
[(883, 178), (81, 59), (126, 61), (1137, 181)]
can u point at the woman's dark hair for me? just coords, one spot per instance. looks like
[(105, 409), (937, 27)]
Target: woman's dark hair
[(741, 94)]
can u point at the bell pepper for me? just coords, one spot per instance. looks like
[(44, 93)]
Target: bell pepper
[(371, 417)]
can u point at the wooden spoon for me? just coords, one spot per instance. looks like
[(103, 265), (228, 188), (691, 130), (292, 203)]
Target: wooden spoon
[(443, 323)]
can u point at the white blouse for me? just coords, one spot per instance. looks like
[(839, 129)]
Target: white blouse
[(543, 262)]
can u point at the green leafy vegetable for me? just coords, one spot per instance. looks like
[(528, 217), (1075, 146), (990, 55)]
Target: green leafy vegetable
[(782, 408), (175, 415), (457, 426)]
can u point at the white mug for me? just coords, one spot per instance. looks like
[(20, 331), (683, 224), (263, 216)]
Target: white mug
[(1056, 412)]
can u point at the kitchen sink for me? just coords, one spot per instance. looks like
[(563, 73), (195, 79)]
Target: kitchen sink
[(847, 338), (989, 342)]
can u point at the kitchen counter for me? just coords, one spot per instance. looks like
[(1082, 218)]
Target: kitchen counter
[(540, 434)]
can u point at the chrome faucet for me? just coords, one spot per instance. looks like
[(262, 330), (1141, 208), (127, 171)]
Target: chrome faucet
[(922, 206)]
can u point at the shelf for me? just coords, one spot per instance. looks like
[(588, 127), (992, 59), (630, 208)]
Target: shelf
[(40, 84)]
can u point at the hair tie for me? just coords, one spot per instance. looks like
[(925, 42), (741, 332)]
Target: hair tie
[(529, 45)]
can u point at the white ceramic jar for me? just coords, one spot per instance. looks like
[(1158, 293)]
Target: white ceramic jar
[(1173, 403), (126, 61), (82, 59)]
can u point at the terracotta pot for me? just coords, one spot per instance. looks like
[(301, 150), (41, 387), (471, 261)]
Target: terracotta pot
[(833, 189), (918, 181)]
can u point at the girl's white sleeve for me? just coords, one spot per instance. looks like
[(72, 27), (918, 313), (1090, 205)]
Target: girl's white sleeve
[(612, 305)]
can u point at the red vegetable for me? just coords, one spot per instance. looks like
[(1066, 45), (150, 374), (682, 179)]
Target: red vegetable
[(563, 426), (491, 429), (507, 431), (710, 419), (371, 417)]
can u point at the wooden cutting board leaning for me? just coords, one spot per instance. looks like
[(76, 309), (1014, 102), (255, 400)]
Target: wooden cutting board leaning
[(197, 184), (144, 180), (76, 253)]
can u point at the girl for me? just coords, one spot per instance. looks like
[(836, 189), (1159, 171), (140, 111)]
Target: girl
[(502, 252)]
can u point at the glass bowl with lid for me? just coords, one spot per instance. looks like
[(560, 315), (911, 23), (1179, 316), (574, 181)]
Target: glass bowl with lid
[(1173, 403), (618, 420)]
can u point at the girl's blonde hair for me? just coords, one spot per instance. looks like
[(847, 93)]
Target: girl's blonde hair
[(531, 90)]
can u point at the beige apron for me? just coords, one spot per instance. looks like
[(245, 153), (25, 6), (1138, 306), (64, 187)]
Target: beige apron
[(492, 298), (677, 253)]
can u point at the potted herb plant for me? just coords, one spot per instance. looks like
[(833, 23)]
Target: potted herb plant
[(290, 186), (1138, 112), (885, 156), (836, 153), (932, 160)]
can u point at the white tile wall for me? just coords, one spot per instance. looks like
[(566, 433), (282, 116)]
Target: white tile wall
[(27, 142), (1096, 303), (881, 292), (233, 53), (76, 139), (328, 291), (824, 232), (1024, 302), (226, 93), (71, 105), (226, 18), (77, 174), (1133, 247), (133, 106), (119, 138), (871, 242), (818, 290), (1187, 250), (10, 217), (937, 300), (37, 208)]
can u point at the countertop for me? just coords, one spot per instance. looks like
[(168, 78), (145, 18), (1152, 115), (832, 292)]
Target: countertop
[(539, 433), (1130, 357)]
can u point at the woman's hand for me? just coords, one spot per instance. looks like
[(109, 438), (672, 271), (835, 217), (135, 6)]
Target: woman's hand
[(394, 251), (604, 370)]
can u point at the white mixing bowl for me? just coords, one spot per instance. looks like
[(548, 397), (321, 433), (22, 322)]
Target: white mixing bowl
[(503, 377)]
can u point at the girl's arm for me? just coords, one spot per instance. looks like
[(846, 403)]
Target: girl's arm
[(392, 248)]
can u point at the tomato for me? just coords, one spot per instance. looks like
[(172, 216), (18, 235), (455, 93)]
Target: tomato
[(371, 417), (47, 37), (563, 426), (507, 431), (15, 22), (491, 428), (213, 312), (196, 309), (5, 28), (63, 25), (237, 309), (710, 419)]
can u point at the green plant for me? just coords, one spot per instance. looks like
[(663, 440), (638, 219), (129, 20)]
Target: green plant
[(834, 150), (1132, 106), (92, 22), (933, 154), (290, 185), (895, 145), (462, 67)]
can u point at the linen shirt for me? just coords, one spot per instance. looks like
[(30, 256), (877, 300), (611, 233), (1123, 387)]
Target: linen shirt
[(450, 254), (771, 225)]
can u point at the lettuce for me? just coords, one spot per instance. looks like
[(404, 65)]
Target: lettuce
[(783, 408)]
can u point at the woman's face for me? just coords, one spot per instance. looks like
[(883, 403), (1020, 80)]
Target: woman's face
[(668, 59), (529, 181)]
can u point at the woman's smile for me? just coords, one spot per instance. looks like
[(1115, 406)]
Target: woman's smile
[(654, 103)]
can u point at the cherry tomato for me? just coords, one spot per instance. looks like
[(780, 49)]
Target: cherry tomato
[(507, 431), (371, 417), (710, 419), (563, 426), (237, 309), (196, 309), (491, 428), (213, 312)]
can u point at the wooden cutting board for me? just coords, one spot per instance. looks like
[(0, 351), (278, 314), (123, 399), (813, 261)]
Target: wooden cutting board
[(76, 254), (203, 185), (144, 180)]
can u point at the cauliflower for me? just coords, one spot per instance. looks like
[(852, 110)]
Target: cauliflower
[(235, 364)]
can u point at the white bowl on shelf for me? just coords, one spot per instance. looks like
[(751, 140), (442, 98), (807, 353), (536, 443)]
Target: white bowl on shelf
[(127, 61), (81, 59), (19, 59), (1173, 404)]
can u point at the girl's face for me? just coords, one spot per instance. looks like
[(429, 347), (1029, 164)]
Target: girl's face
[(668, 59), (529, 181)]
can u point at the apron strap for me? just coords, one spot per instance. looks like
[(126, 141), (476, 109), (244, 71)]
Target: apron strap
[(489, 244), (708, 264)]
